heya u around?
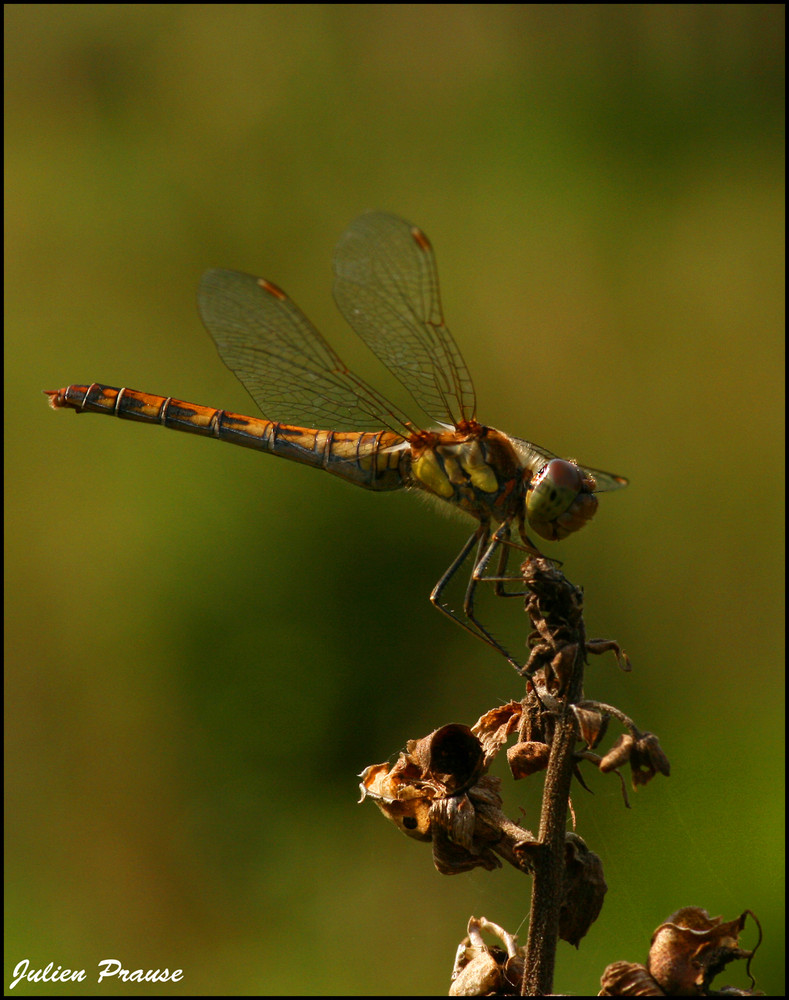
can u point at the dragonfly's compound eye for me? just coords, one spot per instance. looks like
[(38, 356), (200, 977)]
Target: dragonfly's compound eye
[(560, 500)]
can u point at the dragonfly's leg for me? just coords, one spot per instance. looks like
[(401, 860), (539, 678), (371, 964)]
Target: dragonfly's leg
[(531, 548), (479, 539), (485, 549), (484, 555), (501, 577), (501, 540)]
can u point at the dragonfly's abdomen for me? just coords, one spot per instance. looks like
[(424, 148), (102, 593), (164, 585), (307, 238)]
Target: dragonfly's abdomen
[(371, 460)]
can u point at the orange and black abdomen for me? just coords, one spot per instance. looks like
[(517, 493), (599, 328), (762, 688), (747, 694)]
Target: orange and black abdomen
[(376, 461)]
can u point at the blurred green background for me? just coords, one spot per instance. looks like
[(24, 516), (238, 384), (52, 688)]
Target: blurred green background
[(205, 646)]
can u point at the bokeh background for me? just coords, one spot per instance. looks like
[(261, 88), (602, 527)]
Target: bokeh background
[(204, 645)]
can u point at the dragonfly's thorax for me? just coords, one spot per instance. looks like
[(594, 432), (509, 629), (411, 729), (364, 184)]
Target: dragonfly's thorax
[(473, 467)]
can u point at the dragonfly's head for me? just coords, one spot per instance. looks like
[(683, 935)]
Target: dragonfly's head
[(560, 500)]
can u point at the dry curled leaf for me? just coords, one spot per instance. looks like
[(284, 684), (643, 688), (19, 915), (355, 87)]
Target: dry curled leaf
[(691, 948), (487, 970), (628, 979), (686, 953), (643, 753), (437, 791), (494, 728), (583, 890), (528, 758)]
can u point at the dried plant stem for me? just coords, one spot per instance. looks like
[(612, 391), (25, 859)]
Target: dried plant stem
[(440, 792), (549, 863)]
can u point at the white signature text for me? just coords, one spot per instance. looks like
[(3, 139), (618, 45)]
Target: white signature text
[(108, 968)]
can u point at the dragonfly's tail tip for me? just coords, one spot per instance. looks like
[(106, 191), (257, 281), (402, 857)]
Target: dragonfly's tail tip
[(54, 400)]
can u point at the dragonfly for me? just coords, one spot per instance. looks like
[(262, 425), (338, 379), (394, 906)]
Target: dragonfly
[(386, 287)]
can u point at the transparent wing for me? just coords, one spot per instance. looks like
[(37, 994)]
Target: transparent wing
[(386, 286), (283, 361), (535, 457), (606, 481)]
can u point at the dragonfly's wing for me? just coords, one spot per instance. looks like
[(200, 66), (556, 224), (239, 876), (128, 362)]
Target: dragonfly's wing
[(605, 481), (534, 457), (283, 361), (386, 286)]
